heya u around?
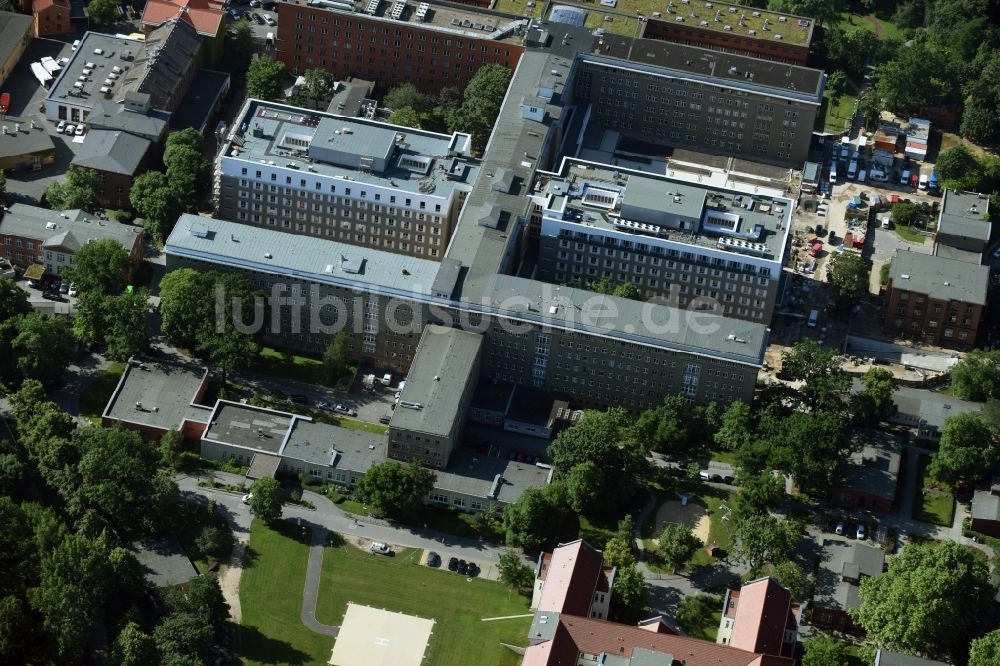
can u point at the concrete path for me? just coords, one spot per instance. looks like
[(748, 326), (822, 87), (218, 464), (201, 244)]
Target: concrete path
[(310, 592)]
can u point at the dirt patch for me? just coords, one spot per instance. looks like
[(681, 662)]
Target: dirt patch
[(693, 515), (229, 581)]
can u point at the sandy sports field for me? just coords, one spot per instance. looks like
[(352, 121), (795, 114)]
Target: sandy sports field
[(373, 637), (693, 515)]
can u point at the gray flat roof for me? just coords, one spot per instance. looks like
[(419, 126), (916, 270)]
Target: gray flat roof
[(299, 256), (965, 214), (101, 67), (159, 394), (349, 96), (714, 68), (477, 22), (196, 107), (116, 152), (930, 406), (13, 28), (249, 427), (568, 187), (111, 115), (472, 474), (986, 506), (515, 146), (69, 228), (333, 446), (622, 318), (887, 658), (939, 278), (444, 360), (860, 560), (875, 467), (309, 141), (26, 140)]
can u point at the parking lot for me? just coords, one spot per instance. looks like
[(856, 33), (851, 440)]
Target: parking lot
[(26, 97)]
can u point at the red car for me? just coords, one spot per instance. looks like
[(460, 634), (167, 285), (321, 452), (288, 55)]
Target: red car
[(4, 102), (815, 249), (914, 180)]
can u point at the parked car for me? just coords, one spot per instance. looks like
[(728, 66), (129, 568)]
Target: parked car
[(80, 129), (64, 288), (861, 531), (433, 559), (299, 399), (341, 409), (52, 296), (379, 548), (839, 529), (323, 404), (61, 127), (76, 44), (270, 20), (72, 290)]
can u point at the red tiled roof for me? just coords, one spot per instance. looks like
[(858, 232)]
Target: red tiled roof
[(204, 15), (762, 614), (599, 636), (571, 577), (560, 651)]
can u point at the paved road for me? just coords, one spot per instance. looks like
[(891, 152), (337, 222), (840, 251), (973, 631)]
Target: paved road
[(310, 592)]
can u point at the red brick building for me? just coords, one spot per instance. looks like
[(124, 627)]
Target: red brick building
[(431, 45), (51, 17)]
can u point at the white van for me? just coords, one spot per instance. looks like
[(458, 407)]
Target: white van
[(863, 176), (269, 40), (905, 179), (813, 318), (924, 179)]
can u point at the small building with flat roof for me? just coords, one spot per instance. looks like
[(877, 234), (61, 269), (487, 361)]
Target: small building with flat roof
[(25, 144), (439, 387), (985, 517), (964, 222), (869, 476)]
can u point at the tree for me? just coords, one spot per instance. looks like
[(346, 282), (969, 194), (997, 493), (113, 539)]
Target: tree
[(911, 80), (848, 273), (956, 163), (825, 382), (266, 499), (630, 596), (678, 545), (187, 173), (171, 447), (979, 124), (481, 104), (13, 301), (735, 430), (848, 51), (763, 539), (757, 492), (671, 427), (44, 346), (212, 540), (337, 357), (183, 306), (928, 601), (73, 584), (318, 85), (125, 324), (695, 611), (241, 45), (810, 447), (133, 647), (157, 202), (185, 138), (203, 599), (619, 552), (395, 490), (103, 12), (405, 117), (627, 290), (906, 214), (529, 521), (116, 481), (793, 578), (101, 266), (824, 651), (968, 450), (874, 402), (183, 635), (264, 78), (79, 190), (977, 375), (983, 651), (836, 82), (603, 437), (583, 486), (407, 96), (515, 573), (225, 345)]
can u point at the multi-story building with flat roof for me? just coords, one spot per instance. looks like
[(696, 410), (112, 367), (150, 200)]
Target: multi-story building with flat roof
[(693, 97), (432, 45), (693, 244), (601, 350), (357, 181)]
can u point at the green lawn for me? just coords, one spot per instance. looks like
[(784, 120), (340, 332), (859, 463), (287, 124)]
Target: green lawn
[(728, 457), (520, 7), (349, 423), (308, 369), (833, 116), (709, 629), (908, 233), (271, 600), (937, 504), (457, 605), (888, 30), (95, 397), (344, 502)]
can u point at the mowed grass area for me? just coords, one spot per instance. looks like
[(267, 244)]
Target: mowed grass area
[(271, 600), (307, 369), (520, 7), (456, 605), (95, 397), (937, 504), (833, 116), (909, 233)]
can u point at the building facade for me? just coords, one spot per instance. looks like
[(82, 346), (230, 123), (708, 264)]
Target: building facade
[(357, 181), (692, 97), (118, 158), (689, 244), (51, 17), (935, 300), (429, 44)]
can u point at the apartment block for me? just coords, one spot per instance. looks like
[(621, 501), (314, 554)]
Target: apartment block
[(690, 244), (731, 28), (600, 350), (693, 97), (935, 300), (361, 182), (432, 45)]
